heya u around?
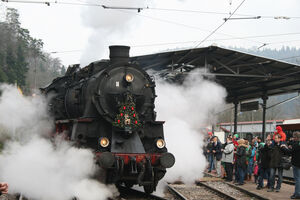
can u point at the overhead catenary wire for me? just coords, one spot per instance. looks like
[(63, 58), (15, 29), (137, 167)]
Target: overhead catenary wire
[(213, 31), (224, 13), (224, 39), (194, 41), (48, 3), (153, 18), (138, 14), (82, 3), (199, 11), (280, 42), (163, 20), (187, 26), (129, 8), (220, 24)]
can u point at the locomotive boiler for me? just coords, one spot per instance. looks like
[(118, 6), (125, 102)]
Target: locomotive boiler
[(108, 106)]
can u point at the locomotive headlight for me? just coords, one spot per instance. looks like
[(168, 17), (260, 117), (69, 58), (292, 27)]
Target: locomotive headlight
[(129, 78), (160, 143), (104, 142)]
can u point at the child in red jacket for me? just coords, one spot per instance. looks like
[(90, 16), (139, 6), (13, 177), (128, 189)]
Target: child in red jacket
[(280, 132)]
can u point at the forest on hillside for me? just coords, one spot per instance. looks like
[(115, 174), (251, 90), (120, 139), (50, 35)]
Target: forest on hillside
[(284, 54), (22, 59)]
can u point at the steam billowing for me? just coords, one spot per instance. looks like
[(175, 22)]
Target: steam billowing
[(34, 166), (186, 109), (107, 26), (39, 169)]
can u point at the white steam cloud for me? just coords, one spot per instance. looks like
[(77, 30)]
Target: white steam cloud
[(186, 109), (36, 167), (21, 117), (107, 25)]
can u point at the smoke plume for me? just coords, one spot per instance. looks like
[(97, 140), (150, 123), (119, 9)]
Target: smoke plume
[(186, 109), (107, 26), (36, 167)]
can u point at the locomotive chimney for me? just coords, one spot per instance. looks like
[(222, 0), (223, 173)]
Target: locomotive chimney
[(119, 54)]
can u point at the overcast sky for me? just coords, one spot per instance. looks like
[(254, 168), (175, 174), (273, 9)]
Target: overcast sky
[(92, 29)]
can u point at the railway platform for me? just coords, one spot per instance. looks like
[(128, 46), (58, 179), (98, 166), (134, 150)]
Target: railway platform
[(285, 192)]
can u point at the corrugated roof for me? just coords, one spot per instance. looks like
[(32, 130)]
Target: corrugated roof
[(245, 76)]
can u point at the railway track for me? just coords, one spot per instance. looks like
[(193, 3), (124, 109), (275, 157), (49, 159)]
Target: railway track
[(288, 180), (210, 189), (132, 194), (229, 190), (194, 192), (177, 192)]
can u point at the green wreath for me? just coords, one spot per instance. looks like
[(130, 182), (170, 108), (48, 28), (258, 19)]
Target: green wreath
[(127, 117)]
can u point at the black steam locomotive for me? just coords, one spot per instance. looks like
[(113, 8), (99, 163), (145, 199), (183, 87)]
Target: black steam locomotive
[(109, 106)]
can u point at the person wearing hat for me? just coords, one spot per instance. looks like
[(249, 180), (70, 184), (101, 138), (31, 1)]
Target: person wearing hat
[(280, 132), (241, 161), (235, 139)]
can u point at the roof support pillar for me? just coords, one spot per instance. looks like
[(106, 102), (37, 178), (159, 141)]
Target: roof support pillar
[(264, 106), (236, 103), (205, 64)]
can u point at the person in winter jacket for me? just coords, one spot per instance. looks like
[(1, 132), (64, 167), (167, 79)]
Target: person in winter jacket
[(227, 158), (235, 143), (217, 154), (210, 156), (294, 151), (241, 161), (279, 132), (250, 159), (275, 164), (256, 167), (263, 159)]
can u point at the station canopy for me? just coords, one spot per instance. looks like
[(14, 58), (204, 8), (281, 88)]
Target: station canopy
[(245, 76)]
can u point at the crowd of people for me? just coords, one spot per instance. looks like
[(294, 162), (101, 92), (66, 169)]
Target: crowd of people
[(256, 160)]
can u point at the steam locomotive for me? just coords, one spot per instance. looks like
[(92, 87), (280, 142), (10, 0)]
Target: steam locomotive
[(108, 106)]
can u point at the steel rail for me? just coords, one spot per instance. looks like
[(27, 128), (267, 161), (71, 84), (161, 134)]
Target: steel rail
[(247, 192), (236, 187), (176, 193), (227, 196)]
